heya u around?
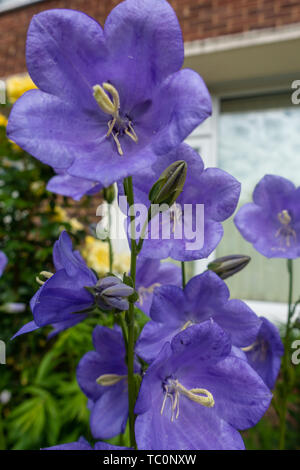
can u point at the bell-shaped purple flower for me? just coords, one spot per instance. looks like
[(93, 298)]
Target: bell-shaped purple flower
[(264, 355), (191, 228), (205, 297), (197, 393), (83, 444), (64, 293), (150, 274), (272, 221), (112, 100), (3, 262), (102, 376)]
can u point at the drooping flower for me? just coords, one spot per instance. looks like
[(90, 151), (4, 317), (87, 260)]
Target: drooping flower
[(102, 376), (112, 100), (150, 274), (197, 393), (64, 293), (264, 355), (83, 444), (191, 228), (272, 221), (205, 296), (3, 262)]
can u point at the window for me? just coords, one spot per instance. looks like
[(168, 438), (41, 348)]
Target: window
[(256, 136)]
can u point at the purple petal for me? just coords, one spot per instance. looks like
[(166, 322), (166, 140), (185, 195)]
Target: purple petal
[(271, 192), (3, 262), (110, 412), (27, 328), (71, 186)]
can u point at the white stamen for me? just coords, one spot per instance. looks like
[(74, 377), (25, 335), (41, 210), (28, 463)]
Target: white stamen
[(106, 380), (46, 274), (198, 395)]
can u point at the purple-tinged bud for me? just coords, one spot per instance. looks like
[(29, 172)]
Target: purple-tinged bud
[(111, 293), (226, 266), (169, 185)]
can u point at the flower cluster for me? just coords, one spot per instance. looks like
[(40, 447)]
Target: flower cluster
[(113, 106)]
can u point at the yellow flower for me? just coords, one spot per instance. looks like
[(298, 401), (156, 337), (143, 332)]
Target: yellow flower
[(16, 85), (3, 121), (96, 254)]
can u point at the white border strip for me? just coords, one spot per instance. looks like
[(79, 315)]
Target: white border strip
[(246, 39)]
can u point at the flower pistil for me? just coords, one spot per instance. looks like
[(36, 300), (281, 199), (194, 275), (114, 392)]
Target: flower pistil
[(173, 389), (118, 125), (285, 232)]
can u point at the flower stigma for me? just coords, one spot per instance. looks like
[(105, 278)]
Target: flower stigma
[(173, 389), (258, 349), (285, 232), (118, 125), (45, 274)]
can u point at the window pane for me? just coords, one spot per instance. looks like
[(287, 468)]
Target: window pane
[(258, 136)]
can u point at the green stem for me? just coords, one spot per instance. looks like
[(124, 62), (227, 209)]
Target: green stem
[(183, 274), (285, 364), (111, 253), (130, 317)]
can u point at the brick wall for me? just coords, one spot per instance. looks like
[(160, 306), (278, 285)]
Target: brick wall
[(199, 19)]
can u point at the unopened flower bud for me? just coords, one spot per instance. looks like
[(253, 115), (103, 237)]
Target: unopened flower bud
[(169, 185), (111, 293), (226, 266)]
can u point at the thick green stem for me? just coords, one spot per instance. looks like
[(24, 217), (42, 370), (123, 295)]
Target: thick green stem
[(285, 363), (183, 274), (130, 317)]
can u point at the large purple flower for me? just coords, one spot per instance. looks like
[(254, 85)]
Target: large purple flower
[(83, 444), (3, 262), (197, 393), (264, 355), (185, 232), (205, 296), (102, 376), (110, 100), (64, 293), (150, 274), (272, 222)]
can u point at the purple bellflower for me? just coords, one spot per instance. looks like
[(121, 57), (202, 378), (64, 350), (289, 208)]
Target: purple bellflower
[(112, 100), (189, 234), (272, 221), (63, 293), (205, 296), (197, 393), (102, 376), (3, 262), (111, 293), (83, 444), (264, 355), (150, 274)]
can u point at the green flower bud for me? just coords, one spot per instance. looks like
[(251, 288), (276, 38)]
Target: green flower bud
[(109, 194), (226, 266), (169, 185)]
